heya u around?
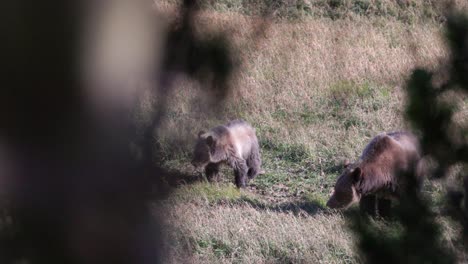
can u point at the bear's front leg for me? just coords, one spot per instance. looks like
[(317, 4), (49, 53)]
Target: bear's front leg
[(252, 173), (240, 173), (368, 205), (384, 207), (211, 171)]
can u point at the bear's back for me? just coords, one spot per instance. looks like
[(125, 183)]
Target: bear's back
[(407, 141), (242, 137), (393, 145), (385, 157)]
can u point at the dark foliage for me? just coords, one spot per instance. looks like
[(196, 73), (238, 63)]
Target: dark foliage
[(75, 194), (444, 141)]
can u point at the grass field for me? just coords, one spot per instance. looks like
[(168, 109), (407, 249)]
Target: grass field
[(316, 89)]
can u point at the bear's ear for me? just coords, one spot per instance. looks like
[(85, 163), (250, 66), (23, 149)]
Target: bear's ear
[(210, 141), (201, 133), (356, 175)]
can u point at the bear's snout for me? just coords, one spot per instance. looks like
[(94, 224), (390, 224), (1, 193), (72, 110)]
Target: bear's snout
[(332, 203)]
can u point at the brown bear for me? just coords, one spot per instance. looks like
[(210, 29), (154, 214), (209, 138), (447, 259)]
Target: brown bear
[(235, 144), (379, 175)]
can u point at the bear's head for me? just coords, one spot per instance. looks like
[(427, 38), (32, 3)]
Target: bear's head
[(204, 148), (345, 193)]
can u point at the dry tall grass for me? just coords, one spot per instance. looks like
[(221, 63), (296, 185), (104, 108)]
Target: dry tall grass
[(242, 234), (300, 81), (226, 232), (407, 11), (227, 226)]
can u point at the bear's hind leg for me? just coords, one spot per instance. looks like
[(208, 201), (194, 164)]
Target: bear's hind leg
[(252, 173)]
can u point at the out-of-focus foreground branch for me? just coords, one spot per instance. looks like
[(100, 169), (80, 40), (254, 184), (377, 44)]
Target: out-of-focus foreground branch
[(71, 192), (433, 101)]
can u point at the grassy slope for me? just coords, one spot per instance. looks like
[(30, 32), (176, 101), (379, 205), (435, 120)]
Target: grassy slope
[(316, 91)]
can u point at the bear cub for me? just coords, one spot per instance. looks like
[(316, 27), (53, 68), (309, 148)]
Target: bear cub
[(234, 144), (379, 175)]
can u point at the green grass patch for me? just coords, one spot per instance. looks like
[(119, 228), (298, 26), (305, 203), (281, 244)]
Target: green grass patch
[(345, 92), (280, 114), (339, 255), (220, 248), (215, 194), (316, 199), (284, 178), (285, 151)]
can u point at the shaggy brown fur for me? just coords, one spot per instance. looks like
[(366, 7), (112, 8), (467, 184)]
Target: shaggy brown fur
[(235, 144), (377, 176)]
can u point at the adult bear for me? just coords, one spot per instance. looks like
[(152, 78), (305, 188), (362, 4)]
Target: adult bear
[(380, 174), (235, 144)]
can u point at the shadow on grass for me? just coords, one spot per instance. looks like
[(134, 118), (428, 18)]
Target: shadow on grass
[(174, 179), (311, 208), (296, 208), (305, 206)]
